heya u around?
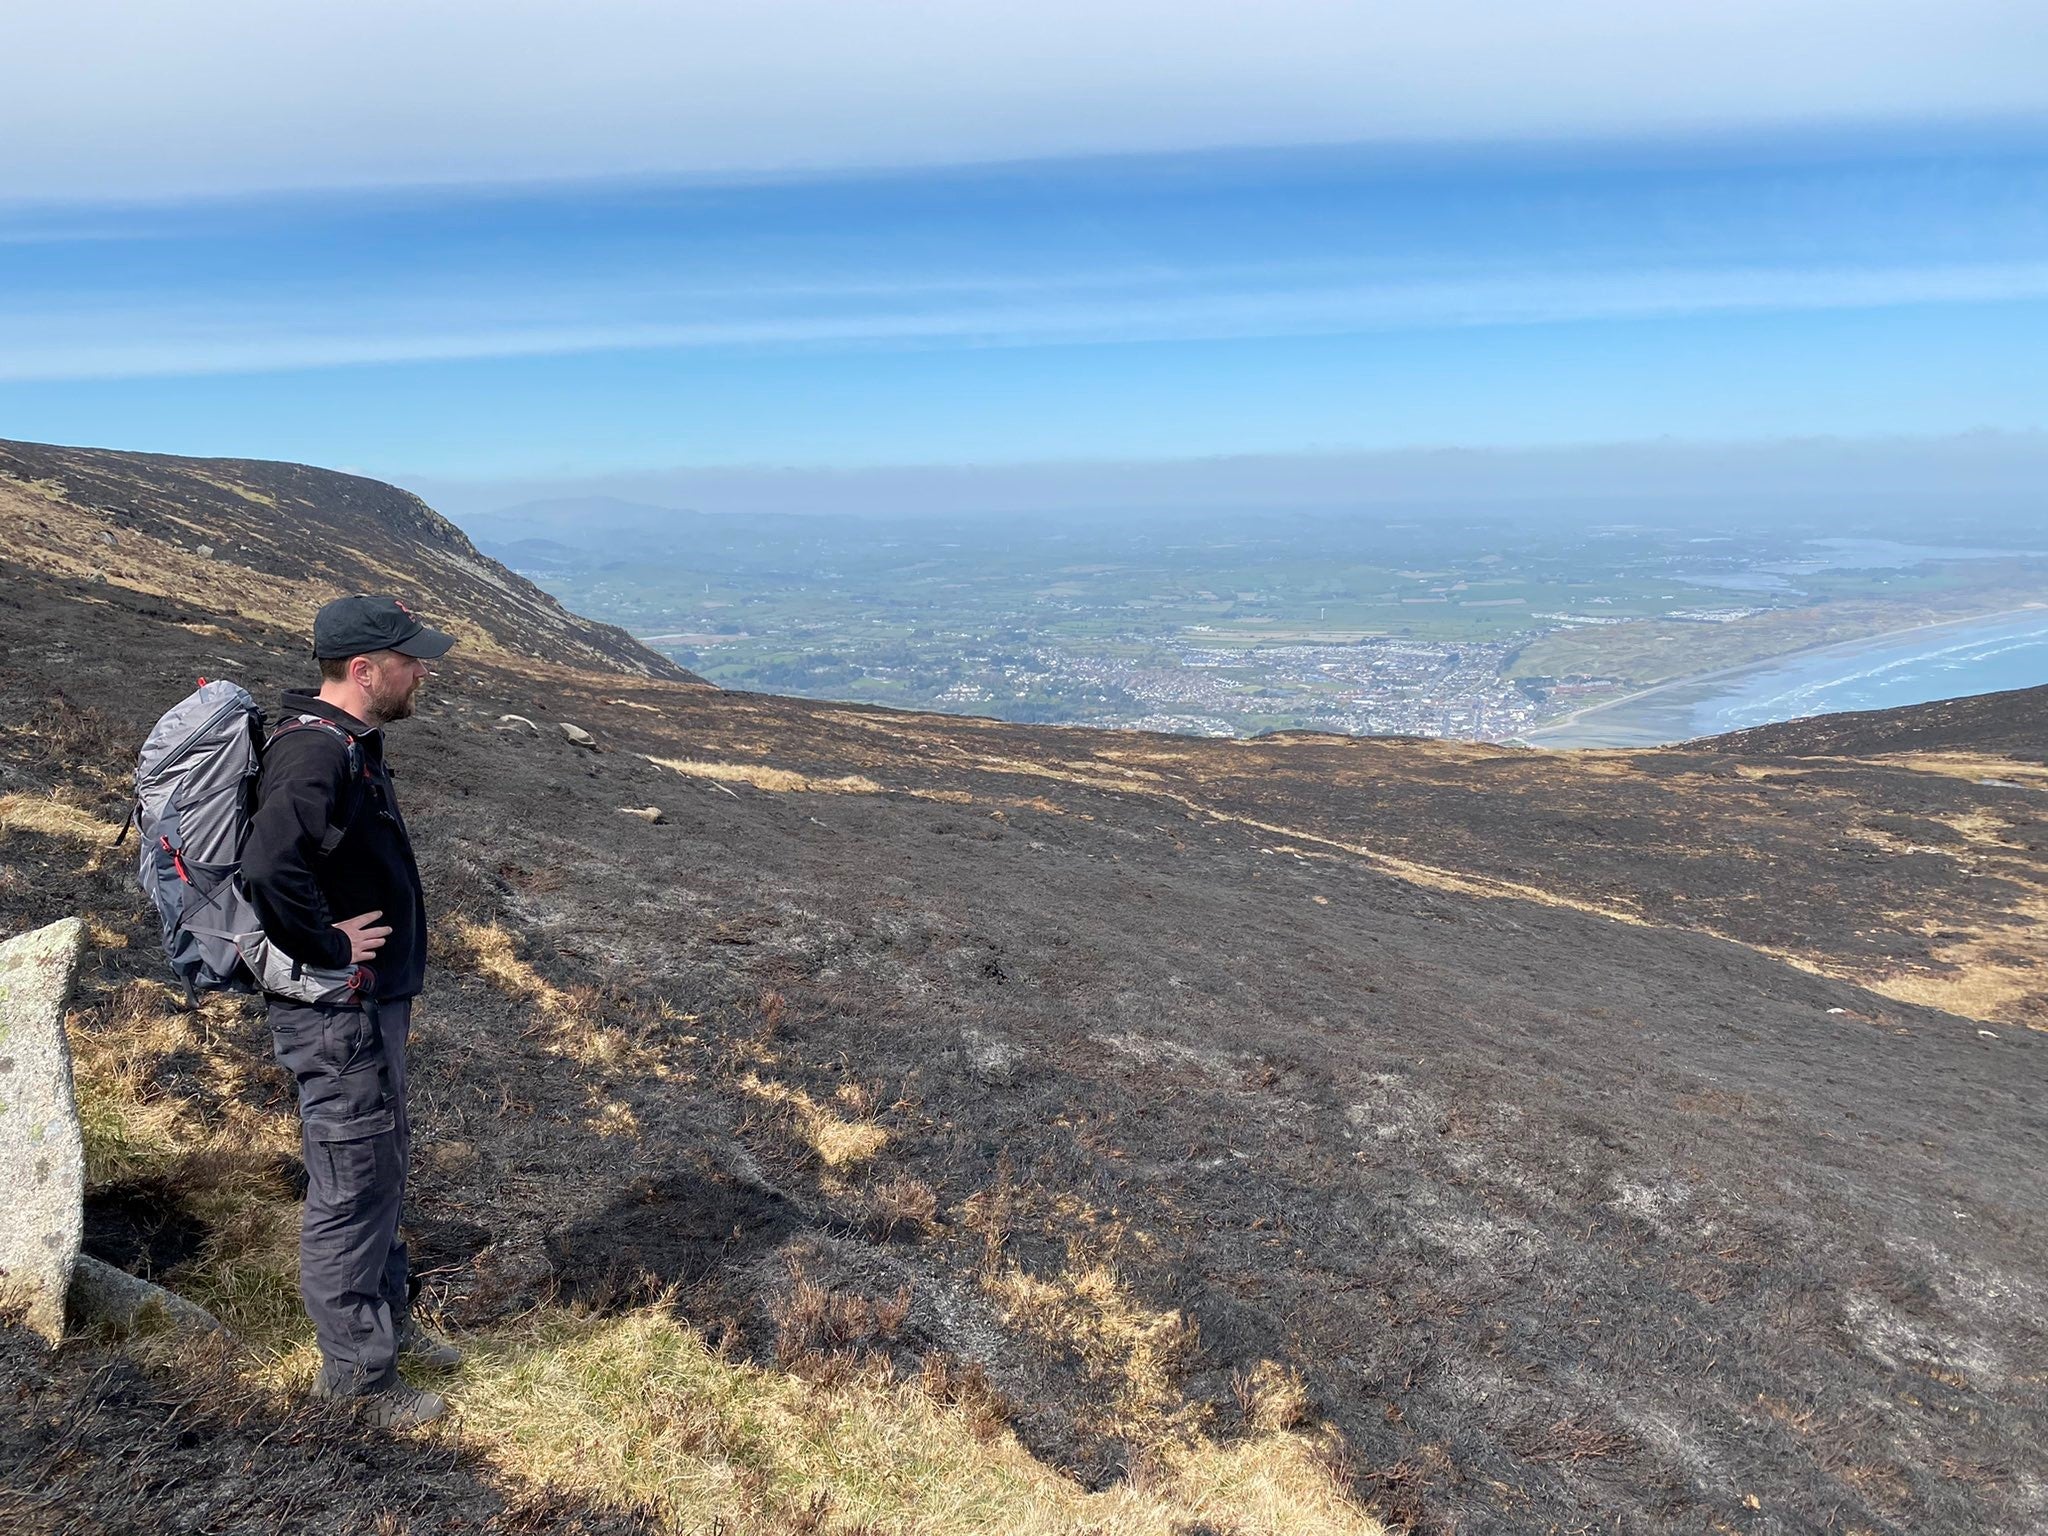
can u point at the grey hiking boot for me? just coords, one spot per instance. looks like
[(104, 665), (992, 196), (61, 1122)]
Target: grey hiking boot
[(398, 1406), (422, 1348), (401, 1407)]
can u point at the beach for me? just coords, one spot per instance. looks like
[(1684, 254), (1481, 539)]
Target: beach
[(1950, 658)]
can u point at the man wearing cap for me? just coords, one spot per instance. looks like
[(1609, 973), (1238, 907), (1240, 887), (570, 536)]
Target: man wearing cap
[(329, 868)]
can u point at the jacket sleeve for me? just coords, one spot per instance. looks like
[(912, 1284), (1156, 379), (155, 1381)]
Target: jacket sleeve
[(298, 797)]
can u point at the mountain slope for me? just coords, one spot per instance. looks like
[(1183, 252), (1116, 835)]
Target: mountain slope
[(278, 540), (1572, 1133), (2012, 724)]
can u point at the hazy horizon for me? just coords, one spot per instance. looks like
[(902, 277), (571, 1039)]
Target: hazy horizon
[(1995, 472)]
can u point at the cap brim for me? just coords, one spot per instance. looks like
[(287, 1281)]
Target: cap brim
[(426, 645)]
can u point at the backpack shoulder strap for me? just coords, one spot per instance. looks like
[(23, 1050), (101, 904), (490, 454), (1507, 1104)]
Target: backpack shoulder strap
[(352, 750)]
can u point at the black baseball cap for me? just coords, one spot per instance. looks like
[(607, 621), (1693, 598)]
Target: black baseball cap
[(358, 625)]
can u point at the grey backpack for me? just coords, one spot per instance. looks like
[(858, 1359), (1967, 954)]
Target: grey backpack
[(195, 786)]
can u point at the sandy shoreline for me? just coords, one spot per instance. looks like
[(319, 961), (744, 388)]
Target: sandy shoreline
[(1571, 721)]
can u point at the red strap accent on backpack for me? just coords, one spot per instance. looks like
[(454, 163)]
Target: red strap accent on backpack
[(177, 858)]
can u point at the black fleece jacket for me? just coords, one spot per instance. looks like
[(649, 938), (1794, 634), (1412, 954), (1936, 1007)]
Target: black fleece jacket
[(298, 891)]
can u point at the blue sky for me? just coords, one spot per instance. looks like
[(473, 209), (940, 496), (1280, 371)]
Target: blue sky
[(1851, 245)]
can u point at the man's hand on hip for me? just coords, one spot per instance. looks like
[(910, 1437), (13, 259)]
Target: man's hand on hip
[(365, 936)]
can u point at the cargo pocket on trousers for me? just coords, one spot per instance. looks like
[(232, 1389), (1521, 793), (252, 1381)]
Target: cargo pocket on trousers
[(352, 1162)]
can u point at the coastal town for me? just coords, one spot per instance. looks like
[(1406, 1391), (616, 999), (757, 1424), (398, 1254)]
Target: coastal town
[(1332, 625), (1374, 686)]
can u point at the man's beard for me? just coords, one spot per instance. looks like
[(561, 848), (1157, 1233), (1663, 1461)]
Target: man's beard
[(395, 704)]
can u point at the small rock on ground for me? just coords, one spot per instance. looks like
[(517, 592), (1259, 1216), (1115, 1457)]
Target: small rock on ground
[(100, 1293)]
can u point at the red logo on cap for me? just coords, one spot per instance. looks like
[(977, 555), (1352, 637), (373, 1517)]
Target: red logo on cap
[(402, 608)]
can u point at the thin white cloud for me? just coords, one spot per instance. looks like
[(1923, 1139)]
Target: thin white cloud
[(149, 98), (114, 342)]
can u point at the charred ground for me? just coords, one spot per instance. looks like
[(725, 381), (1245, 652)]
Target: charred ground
[(1645, 1141), (2013, 724)]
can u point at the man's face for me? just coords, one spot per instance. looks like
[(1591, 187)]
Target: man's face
[(394, 684)]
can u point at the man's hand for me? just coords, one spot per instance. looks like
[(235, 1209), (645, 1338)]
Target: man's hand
[(365, 936)]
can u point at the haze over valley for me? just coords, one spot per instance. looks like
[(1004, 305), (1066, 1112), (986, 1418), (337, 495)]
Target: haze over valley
[(1417, 621)]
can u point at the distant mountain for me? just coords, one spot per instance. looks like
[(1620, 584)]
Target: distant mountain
[(571, 521), (607, 525)]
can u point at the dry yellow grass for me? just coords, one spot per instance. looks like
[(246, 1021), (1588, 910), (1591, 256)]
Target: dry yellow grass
[(1137, 1352), (490, 951), (639, 1410), (102, 935), (615, 1119), (1111, 776), (898, 1204), (910, 727), (128, 1127), (53, 817), (221, 1153), (247, 493), (1969, 765), (1990, 977), (1272, 1396), (1115, 762), (118, 1038), (777, 780), (1877, 837), (839, 1142), (1985, 830), (1599, 762), (487, 950)]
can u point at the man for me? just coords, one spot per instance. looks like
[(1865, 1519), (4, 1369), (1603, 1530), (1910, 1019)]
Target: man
[(329, 868)]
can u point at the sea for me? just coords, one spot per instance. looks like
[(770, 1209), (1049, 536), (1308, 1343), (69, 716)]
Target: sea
[(1947, 661), (1987, 656)]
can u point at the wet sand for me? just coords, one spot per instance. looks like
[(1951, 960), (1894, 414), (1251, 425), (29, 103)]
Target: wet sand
[(1665, 713)]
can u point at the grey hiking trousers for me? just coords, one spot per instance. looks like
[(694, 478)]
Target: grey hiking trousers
[(357, 1137)]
